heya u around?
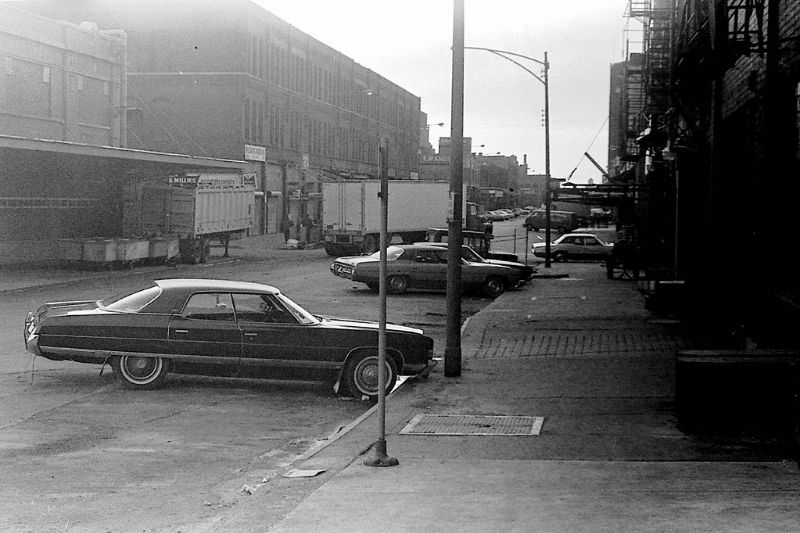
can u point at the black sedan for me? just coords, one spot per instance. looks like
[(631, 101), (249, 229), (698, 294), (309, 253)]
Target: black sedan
[(424, 266), (222, 328)]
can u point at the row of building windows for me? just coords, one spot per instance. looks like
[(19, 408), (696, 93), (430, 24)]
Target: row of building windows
[(277, 127), (291, 70)]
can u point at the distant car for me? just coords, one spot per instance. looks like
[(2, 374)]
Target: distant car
[(468, 254), (562, 221), (609, 235), (423, 266), (574, 246), (480, 241), (497, 214), (507, 213), (221, 328)]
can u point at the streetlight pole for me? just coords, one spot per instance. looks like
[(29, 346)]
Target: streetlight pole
[(544, 81), (452, 351)]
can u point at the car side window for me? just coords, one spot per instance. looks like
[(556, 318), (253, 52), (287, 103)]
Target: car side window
[(262, 308), (427, 256), (590, 241), (209, 306)]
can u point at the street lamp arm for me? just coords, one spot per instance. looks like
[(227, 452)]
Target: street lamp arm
[(505, 53), (520, 65)]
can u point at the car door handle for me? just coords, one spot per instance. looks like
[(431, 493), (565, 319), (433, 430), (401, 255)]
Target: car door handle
[(181, 331), (251, 334)]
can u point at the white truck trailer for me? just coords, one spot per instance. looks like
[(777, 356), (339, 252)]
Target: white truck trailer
[(351, 213), (198, 208)]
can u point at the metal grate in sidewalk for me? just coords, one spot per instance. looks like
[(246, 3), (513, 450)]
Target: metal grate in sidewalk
[(473, 425)]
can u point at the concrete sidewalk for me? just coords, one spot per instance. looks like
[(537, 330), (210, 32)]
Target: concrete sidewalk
[(581, 353)]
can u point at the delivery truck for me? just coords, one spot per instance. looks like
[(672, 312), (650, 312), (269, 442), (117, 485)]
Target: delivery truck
[(197, 208), (351, 213)]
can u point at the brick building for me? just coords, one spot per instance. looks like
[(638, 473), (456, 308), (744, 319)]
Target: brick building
[(61, 81), (719, 155), (231, 80)]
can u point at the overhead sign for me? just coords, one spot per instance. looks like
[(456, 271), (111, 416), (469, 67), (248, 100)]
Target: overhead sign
[(255, 153)]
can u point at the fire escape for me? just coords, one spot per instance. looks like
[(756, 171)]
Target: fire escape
[(746, 27), (656, 19)]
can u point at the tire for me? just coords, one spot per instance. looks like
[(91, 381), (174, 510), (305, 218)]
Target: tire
[(331, 250), (140, 372), (370, 245), (397, 284), (494, 287), (560, 257), (361, 375)]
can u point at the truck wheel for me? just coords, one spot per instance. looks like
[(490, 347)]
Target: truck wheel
[(331, 250), (370, 245), (140, 372), (494, 287), (397, 284), (360, 376)]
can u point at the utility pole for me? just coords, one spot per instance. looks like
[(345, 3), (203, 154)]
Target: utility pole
[(548, 224), (452, 352)]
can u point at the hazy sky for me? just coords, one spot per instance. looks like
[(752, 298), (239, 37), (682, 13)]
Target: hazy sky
[(408, 42)]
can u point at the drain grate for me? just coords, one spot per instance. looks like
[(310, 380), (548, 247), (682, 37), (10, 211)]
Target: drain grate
[(473, 425)]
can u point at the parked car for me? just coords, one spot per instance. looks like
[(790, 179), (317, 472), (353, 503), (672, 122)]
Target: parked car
[(221, 328), (423, 266), (497, 214), (506, 213), (574, 246), (468, 254), (479, 241), (562, 221), (609, 235)]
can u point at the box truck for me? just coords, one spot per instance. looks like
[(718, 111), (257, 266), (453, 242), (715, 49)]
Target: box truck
[(351, 213)]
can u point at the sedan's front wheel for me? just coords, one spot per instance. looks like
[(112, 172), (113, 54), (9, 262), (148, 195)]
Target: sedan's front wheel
[(138, 372), (361, 376)]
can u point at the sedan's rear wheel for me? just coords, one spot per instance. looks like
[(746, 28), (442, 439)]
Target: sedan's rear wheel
[(494, 287), (361, 376), (397, 284), (139, 372)]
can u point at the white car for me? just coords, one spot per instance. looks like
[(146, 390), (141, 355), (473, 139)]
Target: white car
[(574, 246)]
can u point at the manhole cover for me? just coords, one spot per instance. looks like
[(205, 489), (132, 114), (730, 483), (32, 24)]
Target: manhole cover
[(473, 425)]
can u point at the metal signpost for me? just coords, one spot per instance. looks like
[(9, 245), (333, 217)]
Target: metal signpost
[(381, 458)]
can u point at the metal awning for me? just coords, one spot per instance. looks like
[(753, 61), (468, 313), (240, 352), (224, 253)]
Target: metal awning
[(71, 148)]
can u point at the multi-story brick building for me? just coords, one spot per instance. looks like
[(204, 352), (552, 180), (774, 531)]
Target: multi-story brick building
[(231, 80), (720, 156), (61, 81)]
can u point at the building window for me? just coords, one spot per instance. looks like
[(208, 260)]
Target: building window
[(93, 101), (247, 121), (28, 88), (797, 118)]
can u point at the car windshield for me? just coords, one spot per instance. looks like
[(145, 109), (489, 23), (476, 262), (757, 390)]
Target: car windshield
[(392, 253), (471, 255), (302, 316), (131, 302)]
